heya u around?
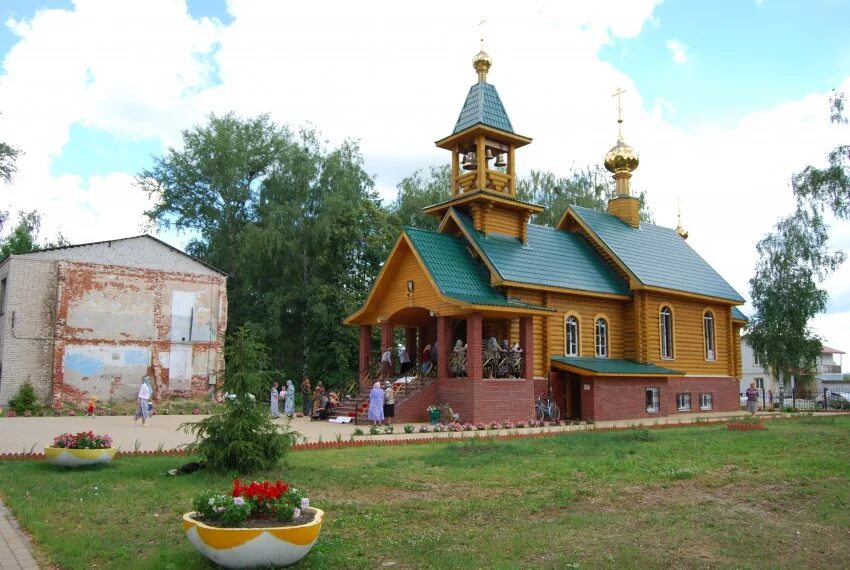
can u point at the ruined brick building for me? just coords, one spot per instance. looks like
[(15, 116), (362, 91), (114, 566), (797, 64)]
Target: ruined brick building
[(89, 319)]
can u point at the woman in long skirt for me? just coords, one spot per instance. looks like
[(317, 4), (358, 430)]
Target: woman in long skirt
[(289, 400), (274, 405), (376, 404)]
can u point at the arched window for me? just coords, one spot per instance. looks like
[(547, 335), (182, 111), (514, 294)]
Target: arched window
[(601, 338), (708, 331), (666, 332), (571, 335)]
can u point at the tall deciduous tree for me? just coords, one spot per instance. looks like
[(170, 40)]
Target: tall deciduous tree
[(24, 236), (785, 294), (8, 161), (417, 191), (297, 227), (210, 188), (793, 260), (828, 188)]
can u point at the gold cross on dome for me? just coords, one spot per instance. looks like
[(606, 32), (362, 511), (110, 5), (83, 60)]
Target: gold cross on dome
[(618, 94), (481, 31)]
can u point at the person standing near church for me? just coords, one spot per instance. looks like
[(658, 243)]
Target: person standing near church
[(274, 402), (404, 359), (306, 397), (289, 399), (387, 363), (752, 398)]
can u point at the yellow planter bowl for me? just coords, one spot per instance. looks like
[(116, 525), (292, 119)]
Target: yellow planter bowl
[(78, 457), (252, 547)]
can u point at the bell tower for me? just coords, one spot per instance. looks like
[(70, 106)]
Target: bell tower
[(483, 147)]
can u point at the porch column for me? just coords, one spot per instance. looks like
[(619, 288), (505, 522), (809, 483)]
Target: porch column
[(386, 335), (410, 343), (526, 341), (474, 358), (365, 353), (444, 342)]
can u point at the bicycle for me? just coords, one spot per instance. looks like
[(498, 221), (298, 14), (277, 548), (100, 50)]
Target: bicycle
[(547, 409)]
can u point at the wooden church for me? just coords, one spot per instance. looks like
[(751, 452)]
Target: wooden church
[(616, 318)]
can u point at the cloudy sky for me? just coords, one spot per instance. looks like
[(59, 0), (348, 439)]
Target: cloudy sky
[(725, 100)]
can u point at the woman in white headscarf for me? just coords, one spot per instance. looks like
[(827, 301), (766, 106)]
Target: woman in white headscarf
[(274, 401), (289, 400), (376, 404)]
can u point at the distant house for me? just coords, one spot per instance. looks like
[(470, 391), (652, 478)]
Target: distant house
[(827, 371), (90, 319)]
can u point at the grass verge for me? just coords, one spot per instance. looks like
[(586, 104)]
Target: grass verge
[(691, 497)]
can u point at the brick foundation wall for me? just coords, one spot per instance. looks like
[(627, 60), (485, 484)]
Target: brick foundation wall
[(625, 398), (414, 409), (503, 400)]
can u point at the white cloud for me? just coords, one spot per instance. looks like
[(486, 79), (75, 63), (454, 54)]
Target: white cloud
[(678, 50), (394, 76)]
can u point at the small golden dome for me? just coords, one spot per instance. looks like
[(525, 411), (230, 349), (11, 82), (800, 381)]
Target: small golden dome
[(683, 233), (482, 62), (621, 158)]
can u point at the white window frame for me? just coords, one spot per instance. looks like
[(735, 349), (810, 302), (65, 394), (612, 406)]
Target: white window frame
[(601, 338), (683, 402), (666, 323), (571, 325), (706, 401), (708, 333), (759, 382), (654, 406)]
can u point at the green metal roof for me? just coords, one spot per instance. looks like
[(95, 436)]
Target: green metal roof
[(456, 272), (483, 106), (657, 256), (615, 366), (551, 258), (738, 315)]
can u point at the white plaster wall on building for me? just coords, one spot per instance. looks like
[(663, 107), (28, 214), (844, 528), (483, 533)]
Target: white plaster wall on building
[(112, 307), (142, 252), (112, 373), (28, 327)]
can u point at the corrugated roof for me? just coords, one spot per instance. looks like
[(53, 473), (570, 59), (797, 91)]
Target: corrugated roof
[(657, 256), (615, 366), (483, 106), (456, 272), (551, 258)]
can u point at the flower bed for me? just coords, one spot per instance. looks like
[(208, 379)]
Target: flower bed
[(259, 524), (79, 449)]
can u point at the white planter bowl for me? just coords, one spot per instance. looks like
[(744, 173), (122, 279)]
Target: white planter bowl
[(64, 457), (253, 547)]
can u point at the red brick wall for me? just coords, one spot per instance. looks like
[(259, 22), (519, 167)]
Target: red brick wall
[(78, 280), (503, 400), (625, 398), (588, 403), (459, 393), (414, 409)]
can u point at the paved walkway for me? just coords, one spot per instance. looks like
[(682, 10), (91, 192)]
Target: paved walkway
[(19, 435), (14, 546)]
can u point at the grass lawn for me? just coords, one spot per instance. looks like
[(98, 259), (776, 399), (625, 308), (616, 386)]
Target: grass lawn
[(692, 497)]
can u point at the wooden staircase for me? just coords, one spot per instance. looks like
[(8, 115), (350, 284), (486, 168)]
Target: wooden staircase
[(358, 406)]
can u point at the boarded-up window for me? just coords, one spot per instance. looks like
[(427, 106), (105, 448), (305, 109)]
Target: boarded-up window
[(182, 313)]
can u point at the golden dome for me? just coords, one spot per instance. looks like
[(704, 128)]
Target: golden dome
[(621, 158), (482, 62)]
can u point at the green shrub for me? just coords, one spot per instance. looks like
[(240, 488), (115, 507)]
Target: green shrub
[(408, 428), (26, 400), (357, 431), (374, 430), (242, 437)]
